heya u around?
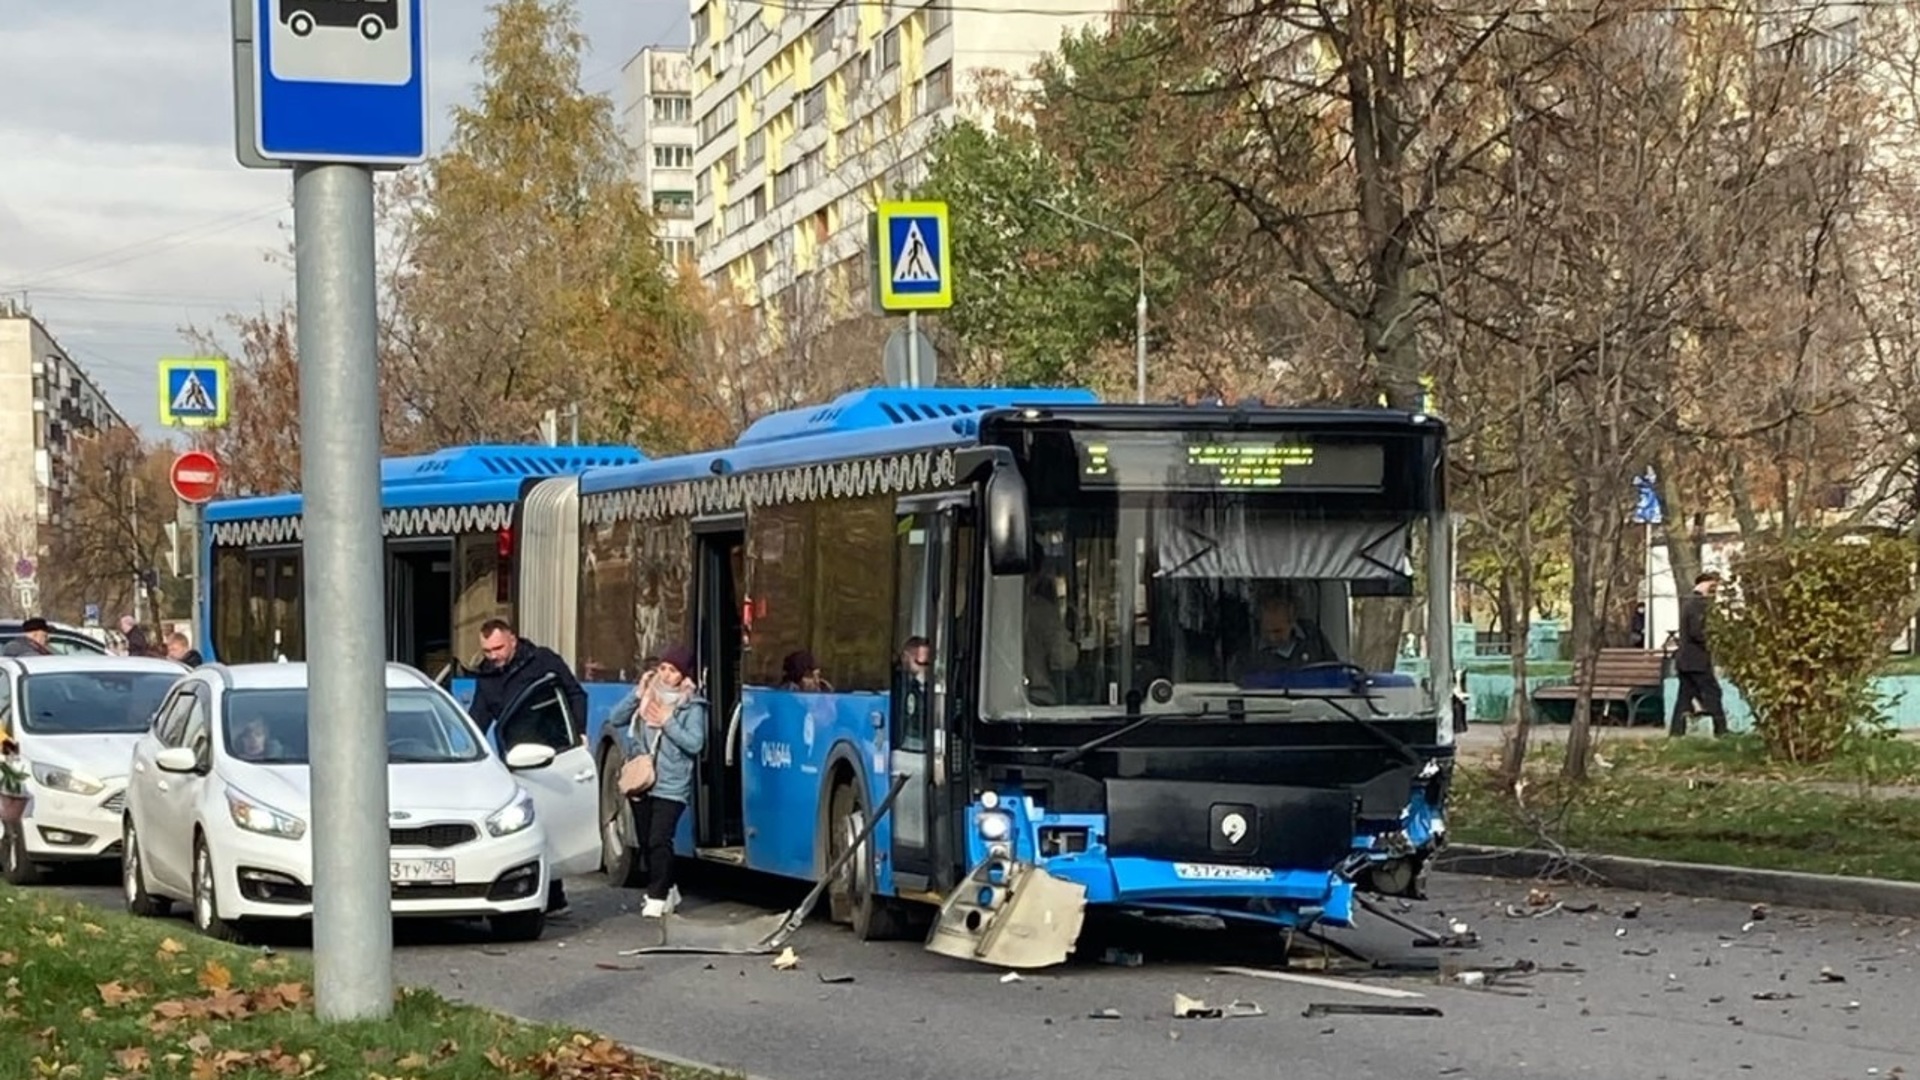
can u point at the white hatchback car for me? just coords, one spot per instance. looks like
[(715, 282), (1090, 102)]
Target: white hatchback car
[(75, 718), (219, 811)]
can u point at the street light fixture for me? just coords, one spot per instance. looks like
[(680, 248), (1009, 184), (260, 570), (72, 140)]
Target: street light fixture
[(1140, 305)]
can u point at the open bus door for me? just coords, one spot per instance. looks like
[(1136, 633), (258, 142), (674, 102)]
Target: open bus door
[(933, 673), (719, 565)]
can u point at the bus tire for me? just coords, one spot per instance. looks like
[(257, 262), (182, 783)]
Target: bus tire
[(619, 850), (854, 901)]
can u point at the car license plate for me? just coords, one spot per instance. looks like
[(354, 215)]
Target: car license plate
[(421, 871), (1216, 872)]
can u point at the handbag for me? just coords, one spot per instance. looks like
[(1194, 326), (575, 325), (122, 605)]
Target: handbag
[(637, 775)]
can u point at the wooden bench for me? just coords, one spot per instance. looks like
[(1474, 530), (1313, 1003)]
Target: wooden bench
[(1629, 680)]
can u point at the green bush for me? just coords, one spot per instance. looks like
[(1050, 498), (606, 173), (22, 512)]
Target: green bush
[(1803, 633)]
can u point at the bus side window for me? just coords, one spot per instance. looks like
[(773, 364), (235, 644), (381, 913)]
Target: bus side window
[(914, 605)]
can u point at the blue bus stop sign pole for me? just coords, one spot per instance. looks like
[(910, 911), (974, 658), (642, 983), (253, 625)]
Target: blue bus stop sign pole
[(335, 89)]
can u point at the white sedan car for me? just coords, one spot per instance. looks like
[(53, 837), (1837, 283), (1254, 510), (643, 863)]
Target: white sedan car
[(219, 811), (75, 718)]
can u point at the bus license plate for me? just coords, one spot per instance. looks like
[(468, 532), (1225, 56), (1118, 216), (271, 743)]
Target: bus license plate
[(1216, 872), (421, 871)]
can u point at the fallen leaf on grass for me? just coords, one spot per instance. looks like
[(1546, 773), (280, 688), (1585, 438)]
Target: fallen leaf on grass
[(215, 976), (115, 995), (94, 929), (7, 959), (133, 1059), (411, 1062), (170, 947)]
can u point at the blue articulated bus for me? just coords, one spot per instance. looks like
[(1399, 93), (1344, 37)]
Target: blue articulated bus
[(1119, 656)]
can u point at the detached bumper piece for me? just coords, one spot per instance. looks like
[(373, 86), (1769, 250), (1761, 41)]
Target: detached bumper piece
[(1012, 915)]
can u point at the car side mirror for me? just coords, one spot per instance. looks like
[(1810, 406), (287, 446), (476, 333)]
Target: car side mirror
[(177, 759), (529, 756)]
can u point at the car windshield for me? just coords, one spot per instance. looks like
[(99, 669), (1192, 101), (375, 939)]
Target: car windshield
[(92, 702), (269, 727)]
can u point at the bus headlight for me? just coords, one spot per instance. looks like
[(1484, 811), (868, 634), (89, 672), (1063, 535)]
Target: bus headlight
[(995, 825)]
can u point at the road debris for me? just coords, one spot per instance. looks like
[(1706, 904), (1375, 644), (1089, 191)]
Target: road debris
[(1828, 975), (1010, 977), (833, 980), (1346, 1008), (1104, 1014), (1322, 981), (1187, 1008), (787, 960)]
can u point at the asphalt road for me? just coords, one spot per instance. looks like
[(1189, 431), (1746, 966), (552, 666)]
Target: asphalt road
[(1685, 988)]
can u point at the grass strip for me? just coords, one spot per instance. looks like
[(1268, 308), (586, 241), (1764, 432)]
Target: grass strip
[(91, 994), (1686, 804)]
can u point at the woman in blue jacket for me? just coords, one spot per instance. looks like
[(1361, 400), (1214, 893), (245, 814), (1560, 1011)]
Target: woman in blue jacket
[(669, 721)]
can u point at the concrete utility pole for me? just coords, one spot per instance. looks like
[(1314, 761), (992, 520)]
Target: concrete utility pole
[(1140, 302)]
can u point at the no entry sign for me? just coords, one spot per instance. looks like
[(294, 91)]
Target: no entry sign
[(195, 476)]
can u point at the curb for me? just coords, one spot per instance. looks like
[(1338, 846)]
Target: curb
[(1786, 888), (660, 1056)]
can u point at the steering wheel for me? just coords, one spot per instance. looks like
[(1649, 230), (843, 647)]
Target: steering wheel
[(1360, 674)]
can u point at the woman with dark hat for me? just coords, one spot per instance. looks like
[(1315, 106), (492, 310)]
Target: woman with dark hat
[(669, 722)]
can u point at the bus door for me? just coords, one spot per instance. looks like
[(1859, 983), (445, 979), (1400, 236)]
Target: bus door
[(719, 573), (420, 604), (932, 671)]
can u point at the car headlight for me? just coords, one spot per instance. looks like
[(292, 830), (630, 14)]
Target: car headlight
[(55, 778), (255, 816), (994, 825), (512, 817)]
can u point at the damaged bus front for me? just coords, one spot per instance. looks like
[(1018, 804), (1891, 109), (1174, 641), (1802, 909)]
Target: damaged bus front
[(1193, 689)]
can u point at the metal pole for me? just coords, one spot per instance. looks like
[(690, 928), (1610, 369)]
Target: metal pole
[(913, 349), (1140, 338), (340, 476), (196, 619)]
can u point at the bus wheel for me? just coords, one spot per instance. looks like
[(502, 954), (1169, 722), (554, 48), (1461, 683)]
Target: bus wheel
[(854, 901), (619, 857)]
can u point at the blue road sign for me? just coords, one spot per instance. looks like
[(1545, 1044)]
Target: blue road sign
[(194, 392), (1646, 509), (340, 80), (915, 267)]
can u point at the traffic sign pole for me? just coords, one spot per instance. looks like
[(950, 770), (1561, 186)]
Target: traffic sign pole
[(340, 478)]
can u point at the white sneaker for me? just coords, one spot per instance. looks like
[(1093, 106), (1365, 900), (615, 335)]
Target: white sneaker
[(653, 909)]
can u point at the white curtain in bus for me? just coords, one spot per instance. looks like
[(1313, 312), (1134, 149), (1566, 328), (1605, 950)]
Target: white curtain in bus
[(1231, 542)]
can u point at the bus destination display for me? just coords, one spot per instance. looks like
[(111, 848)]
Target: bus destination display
[(1209, 460)]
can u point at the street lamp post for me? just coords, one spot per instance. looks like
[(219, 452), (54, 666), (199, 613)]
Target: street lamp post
[(1140, 303)]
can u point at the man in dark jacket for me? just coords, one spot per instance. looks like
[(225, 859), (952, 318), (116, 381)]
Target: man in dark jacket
[(512, 664), (1693, 660), (32, 640)]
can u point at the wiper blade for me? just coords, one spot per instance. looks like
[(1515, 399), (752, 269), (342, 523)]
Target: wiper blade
[(1068, 757), (1392, 742)]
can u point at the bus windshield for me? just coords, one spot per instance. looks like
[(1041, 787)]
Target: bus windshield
[(1203, 575)]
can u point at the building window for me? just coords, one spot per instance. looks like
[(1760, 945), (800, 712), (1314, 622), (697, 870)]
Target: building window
[(822, 35), (677, 250), (813, 109), (936, 91), (756, 149), (890, 50), (939, 15), (672, 108), (673, 157), (673, 204), (703, 185)]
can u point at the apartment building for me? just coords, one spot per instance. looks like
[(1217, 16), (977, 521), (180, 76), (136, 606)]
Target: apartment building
[(656, 117), (48, 408), (807, 114)]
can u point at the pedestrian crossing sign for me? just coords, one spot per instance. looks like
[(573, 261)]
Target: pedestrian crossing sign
[(194, 392), (913, 263)]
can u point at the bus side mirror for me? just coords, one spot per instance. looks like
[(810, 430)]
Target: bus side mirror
[(1009, 534)]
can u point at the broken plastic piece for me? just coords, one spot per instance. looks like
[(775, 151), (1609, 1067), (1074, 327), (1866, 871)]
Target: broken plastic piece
[(1186, 1008), (787, 960)]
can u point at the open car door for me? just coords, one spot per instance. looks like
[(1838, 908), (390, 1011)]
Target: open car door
[(566, 790)]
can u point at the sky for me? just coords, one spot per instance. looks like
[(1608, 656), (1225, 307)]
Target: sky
[(124, 214)]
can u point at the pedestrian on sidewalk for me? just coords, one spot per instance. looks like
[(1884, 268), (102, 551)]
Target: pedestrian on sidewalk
[(669, 722), (1693, 660)]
